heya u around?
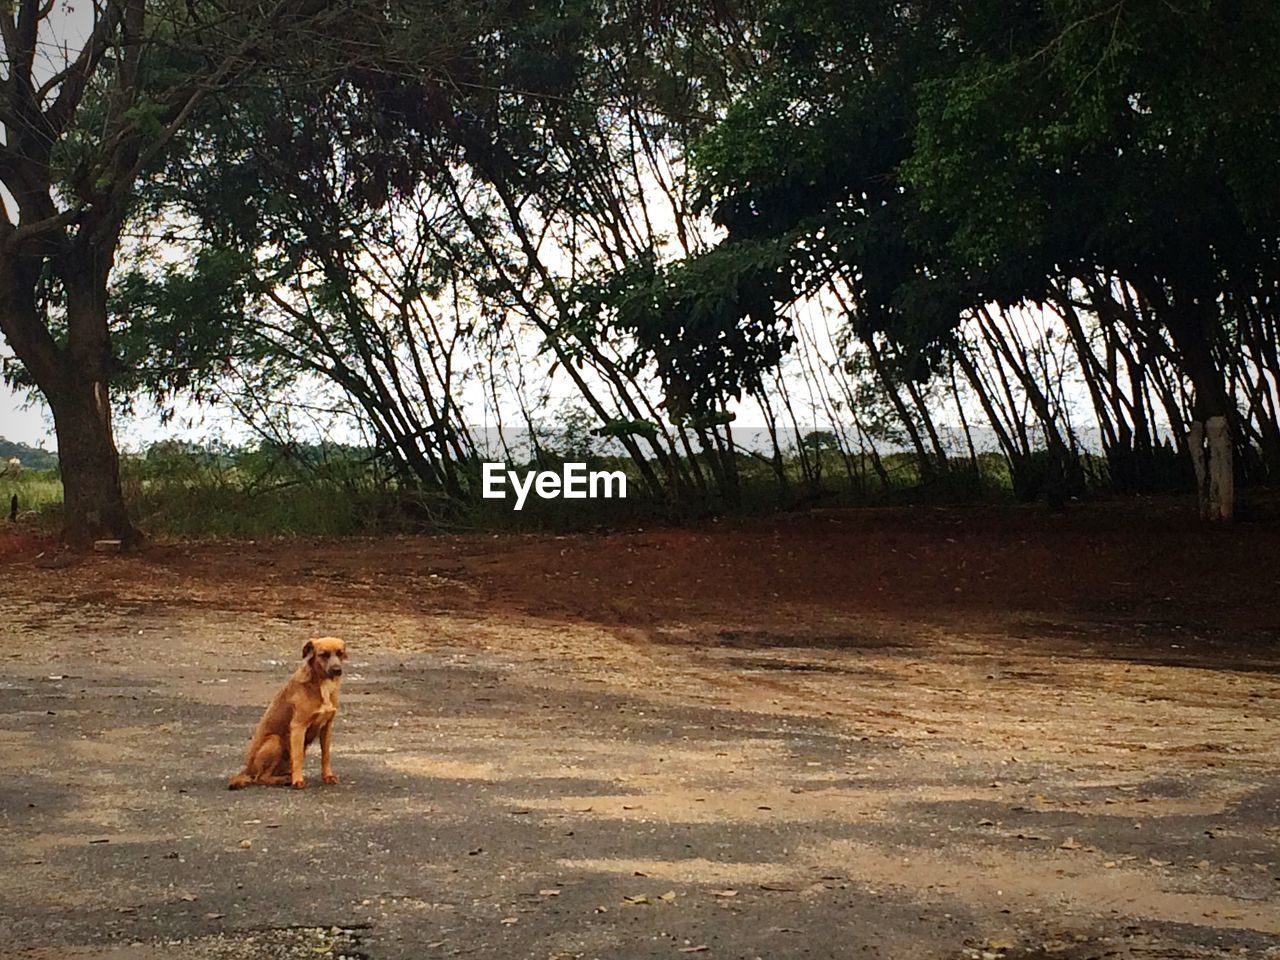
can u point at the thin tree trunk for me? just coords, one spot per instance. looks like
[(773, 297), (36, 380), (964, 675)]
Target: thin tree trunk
[(904, 415)]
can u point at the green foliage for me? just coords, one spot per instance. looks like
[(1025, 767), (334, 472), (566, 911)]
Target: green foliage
[(809, 156), (1099, 137), (268, 176), (712, 419), (578, 434), (181, 325), (939, 156), (819, 441), (709, 323), (184, 490), (38, 490), (148, 117), (627, 428)]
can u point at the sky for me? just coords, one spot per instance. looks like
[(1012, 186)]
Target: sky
[(24, 423), (31, 423), (62, 35)]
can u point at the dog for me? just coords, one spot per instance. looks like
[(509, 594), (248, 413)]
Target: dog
[(301, 711)]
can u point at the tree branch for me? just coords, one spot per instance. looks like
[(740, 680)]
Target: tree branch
[(75, 78)]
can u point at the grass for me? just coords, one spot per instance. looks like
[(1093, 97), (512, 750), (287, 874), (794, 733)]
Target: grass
[(38, 491), (204, 494), (200, 494)]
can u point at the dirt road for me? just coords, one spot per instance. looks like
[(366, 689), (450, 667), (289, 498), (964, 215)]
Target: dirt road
[(907, 734)]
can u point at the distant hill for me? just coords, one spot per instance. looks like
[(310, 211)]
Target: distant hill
[(33, 458)]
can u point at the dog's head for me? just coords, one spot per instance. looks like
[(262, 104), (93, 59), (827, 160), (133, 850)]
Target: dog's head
[(326, 656)]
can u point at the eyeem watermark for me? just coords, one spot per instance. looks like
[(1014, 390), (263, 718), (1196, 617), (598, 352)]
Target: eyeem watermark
[(574, 482)]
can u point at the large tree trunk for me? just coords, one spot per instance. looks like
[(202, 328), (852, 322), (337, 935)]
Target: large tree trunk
[(93, 501), (73, 379)]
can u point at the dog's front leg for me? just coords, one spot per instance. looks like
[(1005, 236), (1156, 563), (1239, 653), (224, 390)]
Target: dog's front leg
[(326, 738), (297, 747)]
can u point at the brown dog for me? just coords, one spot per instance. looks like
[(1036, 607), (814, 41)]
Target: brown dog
[(302, 710)]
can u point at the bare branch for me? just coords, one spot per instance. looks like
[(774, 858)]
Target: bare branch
[(75, 78)]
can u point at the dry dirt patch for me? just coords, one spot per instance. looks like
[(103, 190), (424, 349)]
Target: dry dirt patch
[(912, 734)]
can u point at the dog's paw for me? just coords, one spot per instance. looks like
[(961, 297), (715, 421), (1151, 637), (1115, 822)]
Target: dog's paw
[(330, 778), (299, 784)]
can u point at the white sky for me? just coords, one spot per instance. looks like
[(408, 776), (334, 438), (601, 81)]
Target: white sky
[(31, 423), (24, 424)]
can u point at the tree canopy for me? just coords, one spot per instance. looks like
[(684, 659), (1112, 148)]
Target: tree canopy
[(423, 216)]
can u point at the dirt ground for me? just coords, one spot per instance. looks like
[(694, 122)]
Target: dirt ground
[(915, 733)]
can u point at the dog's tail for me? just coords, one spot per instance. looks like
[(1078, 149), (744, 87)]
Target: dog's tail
[(239, 781)]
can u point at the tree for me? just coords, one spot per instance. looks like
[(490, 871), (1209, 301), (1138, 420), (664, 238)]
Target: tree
[(81, 136), (361, 232), (941, 157), (1136, 141)]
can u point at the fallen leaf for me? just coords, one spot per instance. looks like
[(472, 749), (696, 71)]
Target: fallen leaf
[(214, 916), (639, 898), (549, 892), (700, 948), (1069, 844), (668, 896), (724, 893)]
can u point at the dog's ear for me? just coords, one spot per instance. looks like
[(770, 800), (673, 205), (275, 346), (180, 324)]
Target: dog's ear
[(343, 653), (308, 650)]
